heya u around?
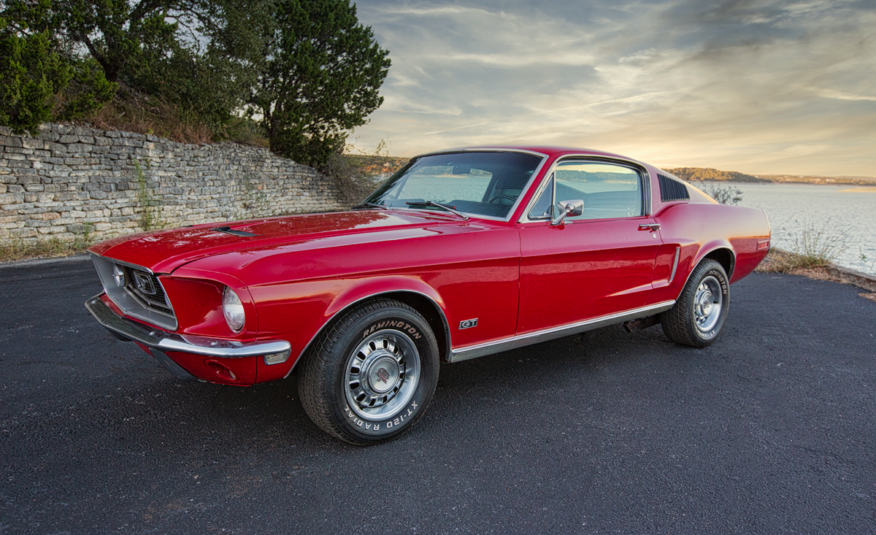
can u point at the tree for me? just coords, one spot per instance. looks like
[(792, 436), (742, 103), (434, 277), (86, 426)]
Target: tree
[(118, 34), (40, 77), (30, 74), (320, 78), (211, 65), (195, 54)]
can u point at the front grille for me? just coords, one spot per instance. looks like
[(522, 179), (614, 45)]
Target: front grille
[(145, 301), (146, 287)]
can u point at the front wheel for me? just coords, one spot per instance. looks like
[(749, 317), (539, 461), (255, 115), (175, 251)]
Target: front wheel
[(700, 312), (370, 375)]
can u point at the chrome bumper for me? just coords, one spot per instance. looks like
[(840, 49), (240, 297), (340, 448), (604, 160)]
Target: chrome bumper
[(161, 341)]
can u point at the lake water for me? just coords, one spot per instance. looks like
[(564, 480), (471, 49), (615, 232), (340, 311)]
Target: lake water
[(845, 211)]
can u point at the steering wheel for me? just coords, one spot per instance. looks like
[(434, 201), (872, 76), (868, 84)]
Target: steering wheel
[(503, 196)]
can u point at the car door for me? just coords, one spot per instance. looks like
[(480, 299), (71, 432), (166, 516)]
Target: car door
[(594, 264)]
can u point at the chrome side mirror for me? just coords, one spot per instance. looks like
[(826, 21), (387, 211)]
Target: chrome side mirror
[(568, 208)]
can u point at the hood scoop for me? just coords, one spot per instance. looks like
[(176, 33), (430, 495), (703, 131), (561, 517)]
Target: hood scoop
[(229, 230)]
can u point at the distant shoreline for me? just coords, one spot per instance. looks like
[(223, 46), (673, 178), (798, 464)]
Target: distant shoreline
[(863, 184), (699, 174)]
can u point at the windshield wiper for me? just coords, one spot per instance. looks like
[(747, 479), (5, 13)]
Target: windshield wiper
[(366, 205), (438, 205)]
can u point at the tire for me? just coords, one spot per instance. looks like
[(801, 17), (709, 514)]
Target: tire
[(370, 375), (699, 314)]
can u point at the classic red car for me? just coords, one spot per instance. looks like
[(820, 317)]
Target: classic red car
[(458, 255)]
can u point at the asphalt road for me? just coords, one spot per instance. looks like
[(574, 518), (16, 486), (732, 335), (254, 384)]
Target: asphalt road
[(771, 430)]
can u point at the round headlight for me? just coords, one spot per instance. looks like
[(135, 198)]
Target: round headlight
[(233, 309), (118, 275)]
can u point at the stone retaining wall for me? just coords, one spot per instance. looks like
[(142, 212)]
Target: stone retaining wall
[(74, 182)]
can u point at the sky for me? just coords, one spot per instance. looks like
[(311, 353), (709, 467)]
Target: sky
[(744, 85)]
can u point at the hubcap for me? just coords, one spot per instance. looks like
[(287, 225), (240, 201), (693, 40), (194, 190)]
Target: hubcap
[(707, 304), (382, 375)]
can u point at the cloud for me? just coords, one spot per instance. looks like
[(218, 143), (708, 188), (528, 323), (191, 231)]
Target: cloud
[(829, 93), (738, 84)]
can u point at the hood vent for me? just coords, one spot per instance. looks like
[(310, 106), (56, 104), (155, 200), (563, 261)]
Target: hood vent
[(229, 230)]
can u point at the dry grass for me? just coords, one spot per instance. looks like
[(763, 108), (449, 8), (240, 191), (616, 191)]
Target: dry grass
[(813, 251), (820, 244), (131, 111), (779, 261), (45, 248)]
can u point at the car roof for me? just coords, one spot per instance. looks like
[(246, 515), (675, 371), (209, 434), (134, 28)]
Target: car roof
[(549, 151)]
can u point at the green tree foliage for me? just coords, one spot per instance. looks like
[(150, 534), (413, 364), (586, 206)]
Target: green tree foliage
[(87, 92), (320, 78), (119, 35), (153, 46), (211, 65), (198, 55), (30, 74), (306, 69), (40, 79)]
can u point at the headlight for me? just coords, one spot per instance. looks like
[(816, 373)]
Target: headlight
[(233, 309)]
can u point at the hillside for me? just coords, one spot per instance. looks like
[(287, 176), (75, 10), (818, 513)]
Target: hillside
[(716, 175)]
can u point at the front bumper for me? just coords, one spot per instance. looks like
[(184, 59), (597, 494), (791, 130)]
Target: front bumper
[(160, 342)]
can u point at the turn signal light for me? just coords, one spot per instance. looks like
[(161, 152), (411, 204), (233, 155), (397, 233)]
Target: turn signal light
[(277, 358)]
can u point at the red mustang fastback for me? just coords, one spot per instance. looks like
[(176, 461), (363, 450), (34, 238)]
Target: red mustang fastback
[(458, 255)]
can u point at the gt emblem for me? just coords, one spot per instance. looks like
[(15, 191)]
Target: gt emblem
[(144, 283), (468, 324), (383, 375)]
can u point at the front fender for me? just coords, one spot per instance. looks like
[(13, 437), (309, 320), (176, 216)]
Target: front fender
[(373, 287), (299, 311)]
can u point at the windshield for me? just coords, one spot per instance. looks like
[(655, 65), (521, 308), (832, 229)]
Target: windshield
[(476, 183)]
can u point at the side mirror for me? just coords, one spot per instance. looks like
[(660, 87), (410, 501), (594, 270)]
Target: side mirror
[(568, 208)]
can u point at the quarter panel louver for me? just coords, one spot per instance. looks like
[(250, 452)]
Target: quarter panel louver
[(672, 190)]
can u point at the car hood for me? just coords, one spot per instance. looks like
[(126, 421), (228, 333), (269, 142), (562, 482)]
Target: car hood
[(164, 251)]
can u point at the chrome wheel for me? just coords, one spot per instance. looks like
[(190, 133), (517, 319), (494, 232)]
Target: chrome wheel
[(707, 304), (381, 375)]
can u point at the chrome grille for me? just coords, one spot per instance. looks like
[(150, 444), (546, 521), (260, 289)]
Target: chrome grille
[(146, 287), (146, 301)]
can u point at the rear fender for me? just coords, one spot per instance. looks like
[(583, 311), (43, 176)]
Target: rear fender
[(703, 252)]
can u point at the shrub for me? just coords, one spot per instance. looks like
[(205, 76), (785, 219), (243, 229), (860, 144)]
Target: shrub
[(30, 75)]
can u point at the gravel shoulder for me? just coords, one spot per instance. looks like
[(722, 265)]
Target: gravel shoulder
[(769, 430)]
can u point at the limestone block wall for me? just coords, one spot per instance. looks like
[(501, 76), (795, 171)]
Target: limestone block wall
[(71, 181)]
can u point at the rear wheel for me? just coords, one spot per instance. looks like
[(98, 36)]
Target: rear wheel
[(700, 312), (369, 377)]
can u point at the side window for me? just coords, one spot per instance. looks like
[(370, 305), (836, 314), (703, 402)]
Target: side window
[(608, 190), (542, 207)]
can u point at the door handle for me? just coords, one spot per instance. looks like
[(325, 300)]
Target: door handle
[(650, 226)]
